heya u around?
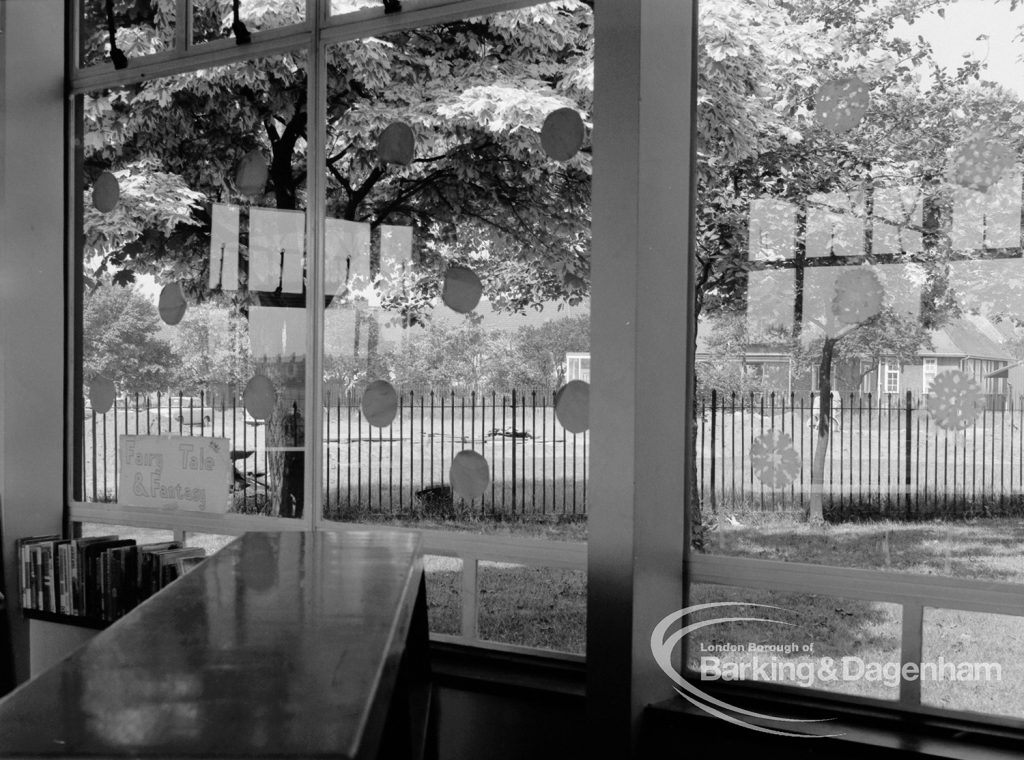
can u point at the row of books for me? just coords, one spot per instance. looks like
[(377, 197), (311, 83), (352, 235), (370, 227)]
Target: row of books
[(100, 577)]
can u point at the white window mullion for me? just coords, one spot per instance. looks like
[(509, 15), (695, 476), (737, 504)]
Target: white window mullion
[(316, 136)]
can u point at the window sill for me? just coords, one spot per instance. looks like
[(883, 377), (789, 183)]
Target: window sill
[(477, 669), (678, 725)]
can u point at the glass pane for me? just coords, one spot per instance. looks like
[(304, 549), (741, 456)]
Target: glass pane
[(193, 314), (829, 643), (214, 19), (142, 27), (859, 277), (141, 535), (444, 594), (971, 661), (210, 542), (456, 267), (341, 7), (539, 607)]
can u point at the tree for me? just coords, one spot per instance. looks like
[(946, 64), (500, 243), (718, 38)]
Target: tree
[(211, 349), (533, 356), (120, 340)]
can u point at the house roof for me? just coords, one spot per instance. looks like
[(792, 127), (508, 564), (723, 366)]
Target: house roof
[(972, 336)]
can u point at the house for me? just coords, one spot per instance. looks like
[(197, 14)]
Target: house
[(971, 344)]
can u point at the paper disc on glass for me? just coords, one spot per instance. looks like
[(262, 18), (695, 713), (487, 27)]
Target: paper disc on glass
[(562, 134), (101, 394), (106, 191), (839, 105), (981, 161), (380, 403), (469, 475), (172, 304), (954, 400), (251, 174), (396, 144), (259, 397), (572, 406), (462, 289), (858, 296)]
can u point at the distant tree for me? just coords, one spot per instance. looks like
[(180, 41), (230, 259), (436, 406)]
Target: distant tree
[(211, 348), (120, 329), (533, 356), (443, 356)]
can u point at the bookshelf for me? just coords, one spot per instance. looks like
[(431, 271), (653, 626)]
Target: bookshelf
[(279, 645), (90, 582)]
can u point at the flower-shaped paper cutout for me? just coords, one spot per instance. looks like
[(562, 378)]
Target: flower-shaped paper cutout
[(774, 460), (858, 296), (839, 105), (980, 161), (954, 400)]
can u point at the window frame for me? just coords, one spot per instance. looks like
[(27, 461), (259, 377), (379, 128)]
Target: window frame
[(314, 36), (914, 593), (929, 369)]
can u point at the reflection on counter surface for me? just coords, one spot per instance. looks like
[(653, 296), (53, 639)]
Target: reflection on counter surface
[(280, 645)]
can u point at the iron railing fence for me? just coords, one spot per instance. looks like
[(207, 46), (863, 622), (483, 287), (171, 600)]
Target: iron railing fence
[(536, 465), (886, 457)]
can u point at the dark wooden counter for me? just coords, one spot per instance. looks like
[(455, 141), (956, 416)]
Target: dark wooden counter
[(285, 645)]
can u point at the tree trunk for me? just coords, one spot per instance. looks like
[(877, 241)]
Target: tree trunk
[(815, 512)]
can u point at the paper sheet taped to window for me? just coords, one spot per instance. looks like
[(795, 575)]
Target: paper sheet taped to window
[(173, 473)]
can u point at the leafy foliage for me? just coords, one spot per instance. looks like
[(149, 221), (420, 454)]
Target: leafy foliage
[(121, 341)]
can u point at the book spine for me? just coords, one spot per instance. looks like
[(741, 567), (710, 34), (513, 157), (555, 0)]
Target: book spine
[(62, 581), (25, 573), (36, 577), (76, 581), (48, 578)]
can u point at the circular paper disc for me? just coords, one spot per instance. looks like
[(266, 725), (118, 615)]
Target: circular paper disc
[(396, 144), (981, 161), (380, 403), (462, 289), (562, 134), (839, 105), (469, 475), (858, 296), (572, 406), (106, 192), (172, 304), (259, 397), (101, 394), (251, 174)]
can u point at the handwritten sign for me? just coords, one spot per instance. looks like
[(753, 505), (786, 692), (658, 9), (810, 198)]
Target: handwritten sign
[(174, 472)]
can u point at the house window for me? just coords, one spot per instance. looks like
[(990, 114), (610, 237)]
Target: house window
[(839, 270), (891, 376), (929, 368), (577, 367)]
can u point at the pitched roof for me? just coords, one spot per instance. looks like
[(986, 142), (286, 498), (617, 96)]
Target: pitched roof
[(971, 336)]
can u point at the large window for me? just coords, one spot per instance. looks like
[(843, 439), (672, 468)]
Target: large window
[(859, 205), (338, 283)]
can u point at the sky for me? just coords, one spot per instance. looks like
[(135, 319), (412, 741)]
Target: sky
[(958, 33)]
